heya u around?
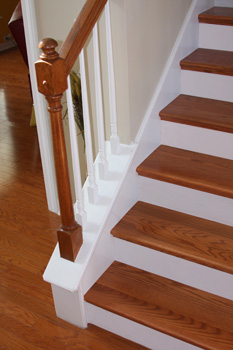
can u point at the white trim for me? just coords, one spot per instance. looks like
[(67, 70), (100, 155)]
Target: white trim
[(70, 306), (80, 213), (114, 139), (43, 125), (103, 164), (92, 186), (68, 275)]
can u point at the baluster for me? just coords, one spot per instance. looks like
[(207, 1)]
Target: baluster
[(114, 139), (81, 214), (103, 164), (52, 82), (92, 187)]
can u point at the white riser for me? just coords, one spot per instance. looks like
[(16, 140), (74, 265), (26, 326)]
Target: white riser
[(216, 37), (215, 86), (133, 331), (186, 200), (211, 142), (177, 269), (223, 3)]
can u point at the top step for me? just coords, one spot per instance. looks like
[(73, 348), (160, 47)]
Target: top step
[(217, 15), (209, 61)]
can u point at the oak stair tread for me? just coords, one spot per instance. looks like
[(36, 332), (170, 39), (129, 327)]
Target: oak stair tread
[(181, 235), (201, 112), (209, 61), (186, 313), (217, 15), (190, 169)]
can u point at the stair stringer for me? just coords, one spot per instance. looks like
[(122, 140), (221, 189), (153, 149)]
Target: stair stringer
[(74, 279)]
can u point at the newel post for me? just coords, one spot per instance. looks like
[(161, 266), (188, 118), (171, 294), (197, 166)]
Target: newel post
[(52, 82)]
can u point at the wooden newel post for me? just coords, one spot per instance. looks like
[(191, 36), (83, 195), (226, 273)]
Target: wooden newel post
[(52, 82)]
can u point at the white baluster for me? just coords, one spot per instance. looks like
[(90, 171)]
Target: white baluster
[(115, 141), (81, 215), (92, 187), (103, 164)]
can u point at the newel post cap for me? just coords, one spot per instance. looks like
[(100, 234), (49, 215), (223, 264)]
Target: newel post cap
[(50, 69), (48, 47)]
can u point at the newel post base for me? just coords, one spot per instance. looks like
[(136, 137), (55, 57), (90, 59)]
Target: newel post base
[(70, 242)]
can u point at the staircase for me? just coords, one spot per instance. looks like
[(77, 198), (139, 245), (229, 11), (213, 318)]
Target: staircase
[(171, 286)]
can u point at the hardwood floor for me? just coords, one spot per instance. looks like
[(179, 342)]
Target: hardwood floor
[(28, 232)]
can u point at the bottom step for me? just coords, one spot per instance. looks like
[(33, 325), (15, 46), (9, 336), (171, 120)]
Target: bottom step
[(183, 312)]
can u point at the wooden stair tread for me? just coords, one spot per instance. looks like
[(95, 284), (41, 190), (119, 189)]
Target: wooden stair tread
[(95, 338), (190, 169), (201, 112), (209, 61), (185, 236), (186, 313), (217, 15)]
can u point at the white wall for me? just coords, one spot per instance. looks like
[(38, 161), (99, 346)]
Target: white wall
[(151, 28), (144, 32), (55, 17)]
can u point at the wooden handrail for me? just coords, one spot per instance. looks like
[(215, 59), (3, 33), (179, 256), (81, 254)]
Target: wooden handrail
[(80, 32)]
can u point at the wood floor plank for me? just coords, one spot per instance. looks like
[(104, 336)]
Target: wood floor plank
[(95, 338), (187, 237), (10, 342), (190, 169), (201, 112), (217, 15), (209, 61), (184, 312)]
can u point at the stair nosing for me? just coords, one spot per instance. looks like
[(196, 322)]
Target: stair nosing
[(220, 19), (183, 114), (204, 61)]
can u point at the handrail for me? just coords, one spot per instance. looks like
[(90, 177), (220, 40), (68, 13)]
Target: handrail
[(52, 71), (80, 31)]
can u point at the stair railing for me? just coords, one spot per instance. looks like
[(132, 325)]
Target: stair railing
[(53, 80)]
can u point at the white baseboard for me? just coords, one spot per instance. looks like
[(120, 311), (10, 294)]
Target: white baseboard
[(7, 45)]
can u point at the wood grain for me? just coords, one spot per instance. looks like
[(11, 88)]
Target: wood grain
[(184, 312), (28, 231), (178, 234), (217, 15), (190, 169), (209, 61), (52, 82), (200, 112)]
